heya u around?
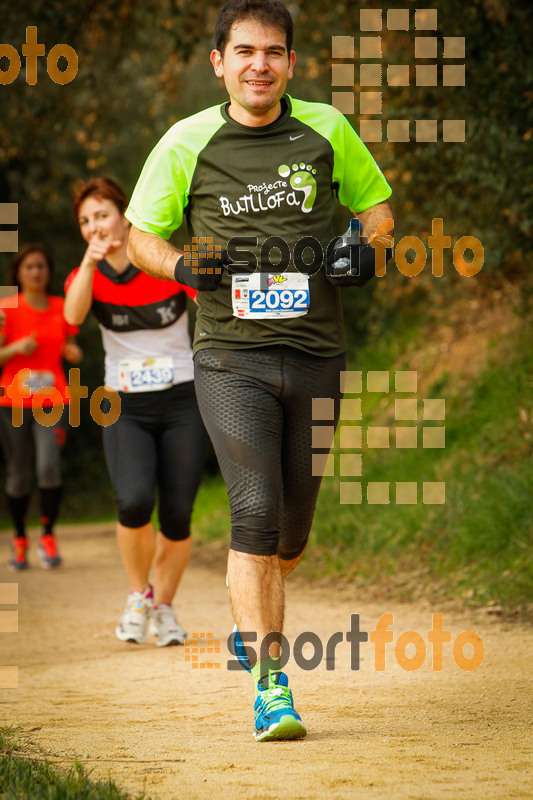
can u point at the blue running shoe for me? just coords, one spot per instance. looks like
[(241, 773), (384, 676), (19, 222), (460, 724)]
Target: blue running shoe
[(275, 717), (240, 650)]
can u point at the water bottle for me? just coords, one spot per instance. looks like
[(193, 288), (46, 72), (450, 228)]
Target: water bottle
[(351, 236)]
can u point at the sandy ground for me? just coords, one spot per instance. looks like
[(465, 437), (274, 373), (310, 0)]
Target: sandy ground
[(145, 717)]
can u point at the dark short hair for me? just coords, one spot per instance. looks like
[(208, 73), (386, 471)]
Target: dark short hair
[(268, 12), (13, 271), (104, 188)]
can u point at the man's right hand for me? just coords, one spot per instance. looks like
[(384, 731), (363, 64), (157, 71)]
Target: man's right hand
[(202, 282)]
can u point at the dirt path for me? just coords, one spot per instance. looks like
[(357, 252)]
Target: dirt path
[(143, 716)]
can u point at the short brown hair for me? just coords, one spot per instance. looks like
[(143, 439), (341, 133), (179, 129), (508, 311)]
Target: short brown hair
[(268, 12), (105, 188), (13, 270)]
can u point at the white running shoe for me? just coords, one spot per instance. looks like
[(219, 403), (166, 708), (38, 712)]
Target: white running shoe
[(133, 622), (166, 627)]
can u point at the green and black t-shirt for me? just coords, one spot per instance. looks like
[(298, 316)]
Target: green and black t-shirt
[(281, 180)]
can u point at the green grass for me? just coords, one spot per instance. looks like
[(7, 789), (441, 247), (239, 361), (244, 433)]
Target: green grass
[(211, 517), (479, 542), (32, 779)]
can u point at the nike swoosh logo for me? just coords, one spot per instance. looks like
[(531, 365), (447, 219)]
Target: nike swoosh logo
[(293, 138)]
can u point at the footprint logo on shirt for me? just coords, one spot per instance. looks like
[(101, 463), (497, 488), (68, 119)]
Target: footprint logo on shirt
[(302, 180)]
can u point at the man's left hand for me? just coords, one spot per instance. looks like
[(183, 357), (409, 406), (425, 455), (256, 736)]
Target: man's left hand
[(357, 267)]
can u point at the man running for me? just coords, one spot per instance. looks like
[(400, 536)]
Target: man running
[(268, 338)]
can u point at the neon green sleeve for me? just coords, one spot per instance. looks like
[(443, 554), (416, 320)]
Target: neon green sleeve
[(361, 182), (161, 195)]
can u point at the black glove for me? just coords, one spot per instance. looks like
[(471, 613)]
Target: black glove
[(211, 270), (360, 265)]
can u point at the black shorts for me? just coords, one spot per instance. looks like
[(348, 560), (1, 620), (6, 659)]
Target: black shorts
[(257, 407), (27, 443), (158, 440)]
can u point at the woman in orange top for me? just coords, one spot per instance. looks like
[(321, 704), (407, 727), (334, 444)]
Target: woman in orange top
[(35, 337)]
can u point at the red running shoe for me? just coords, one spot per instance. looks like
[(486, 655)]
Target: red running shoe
[(18, 560), (48, 552)]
